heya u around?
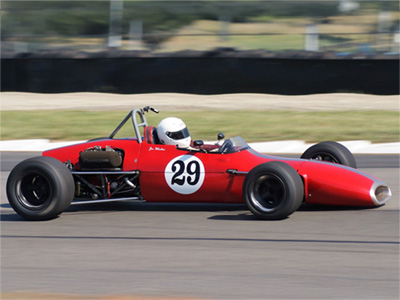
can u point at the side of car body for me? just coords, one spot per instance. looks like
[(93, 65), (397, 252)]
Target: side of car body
[(140, 169)]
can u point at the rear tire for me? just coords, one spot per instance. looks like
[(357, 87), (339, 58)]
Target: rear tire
[(40, 188), (273, 190), (331, 152)]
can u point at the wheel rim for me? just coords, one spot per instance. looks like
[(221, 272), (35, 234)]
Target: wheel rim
[(268, 193), (323, 156), (34, 191)]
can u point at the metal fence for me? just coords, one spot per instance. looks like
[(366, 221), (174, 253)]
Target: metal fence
[(367, 43), (342, 27)]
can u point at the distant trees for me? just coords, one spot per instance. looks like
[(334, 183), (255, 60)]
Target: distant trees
[(86, 18), (92, 17)]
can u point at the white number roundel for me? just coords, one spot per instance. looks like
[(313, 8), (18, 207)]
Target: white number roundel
[(185, 174)]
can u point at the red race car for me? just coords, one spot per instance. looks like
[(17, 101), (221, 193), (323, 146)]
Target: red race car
[(162, 165)]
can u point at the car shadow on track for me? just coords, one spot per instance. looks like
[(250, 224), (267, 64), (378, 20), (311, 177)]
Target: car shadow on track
[(226, 212), (12, 217), (233, 212), (129, 206), (320, 207), (170, 207)]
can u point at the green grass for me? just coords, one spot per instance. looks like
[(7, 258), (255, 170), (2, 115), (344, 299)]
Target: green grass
[(253, 126)]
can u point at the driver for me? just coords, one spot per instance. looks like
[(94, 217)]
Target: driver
[(173, 131)]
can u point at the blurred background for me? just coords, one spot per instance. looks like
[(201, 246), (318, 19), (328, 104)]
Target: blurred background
[(342, 27), (329, 30)]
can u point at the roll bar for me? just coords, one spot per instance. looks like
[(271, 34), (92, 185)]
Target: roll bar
[(132, 115)]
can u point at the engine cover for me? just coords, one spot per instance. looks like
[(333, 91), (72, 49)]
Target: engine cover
[(101, 158)]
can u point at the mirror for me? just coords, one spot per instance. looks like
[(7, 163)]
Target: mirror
[(198, 143)]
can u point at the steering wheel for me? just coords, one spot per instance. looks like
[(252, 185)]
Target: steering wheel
[(226, 146)]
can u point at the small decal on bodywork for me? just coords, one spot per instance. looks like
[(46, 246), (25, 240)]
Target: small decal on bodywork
[(156, 149)]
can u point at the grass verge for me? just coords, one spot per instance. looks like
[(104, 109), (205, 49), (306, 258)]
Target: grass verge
[(253, 126)]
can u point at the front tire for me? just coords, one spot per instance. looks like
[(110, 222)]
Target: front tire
[(40, 188), (331, 152), (273, 190)]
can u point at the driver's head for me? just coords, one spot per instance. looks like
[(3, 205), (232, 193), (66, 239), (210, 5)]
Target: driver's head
[(172, 131)]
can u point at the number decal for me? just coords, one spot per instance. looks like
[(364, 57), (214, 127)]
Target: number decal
[(195, 171), (185, 174), (177, 173)]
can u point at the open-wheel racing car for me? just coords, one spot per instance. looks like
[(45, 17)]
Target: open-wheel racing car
[(142, 168)]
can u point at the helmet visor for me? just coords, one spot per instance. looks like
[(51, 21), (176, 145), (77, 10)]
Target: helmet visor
[(178, 135)]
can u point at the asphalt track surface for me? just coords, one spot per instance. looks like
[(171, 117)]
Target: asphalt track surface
[(206, 251)]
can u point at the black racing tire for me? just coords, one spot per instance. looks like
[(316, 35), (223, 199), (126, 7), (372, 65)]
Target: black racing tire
[(273, 190), (331, 152), (40, 188)]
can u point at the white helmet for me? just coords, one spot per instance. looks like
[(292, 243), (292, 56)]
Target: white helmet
[(172, 131)]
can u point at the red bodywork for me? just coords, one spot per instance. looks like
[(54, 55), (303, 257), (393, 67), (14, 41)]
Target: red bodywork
[(220, 178)]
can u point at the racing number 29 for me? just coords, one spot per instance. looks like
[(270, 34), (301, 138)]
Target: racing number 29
[(185, 174), (192, 169)]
